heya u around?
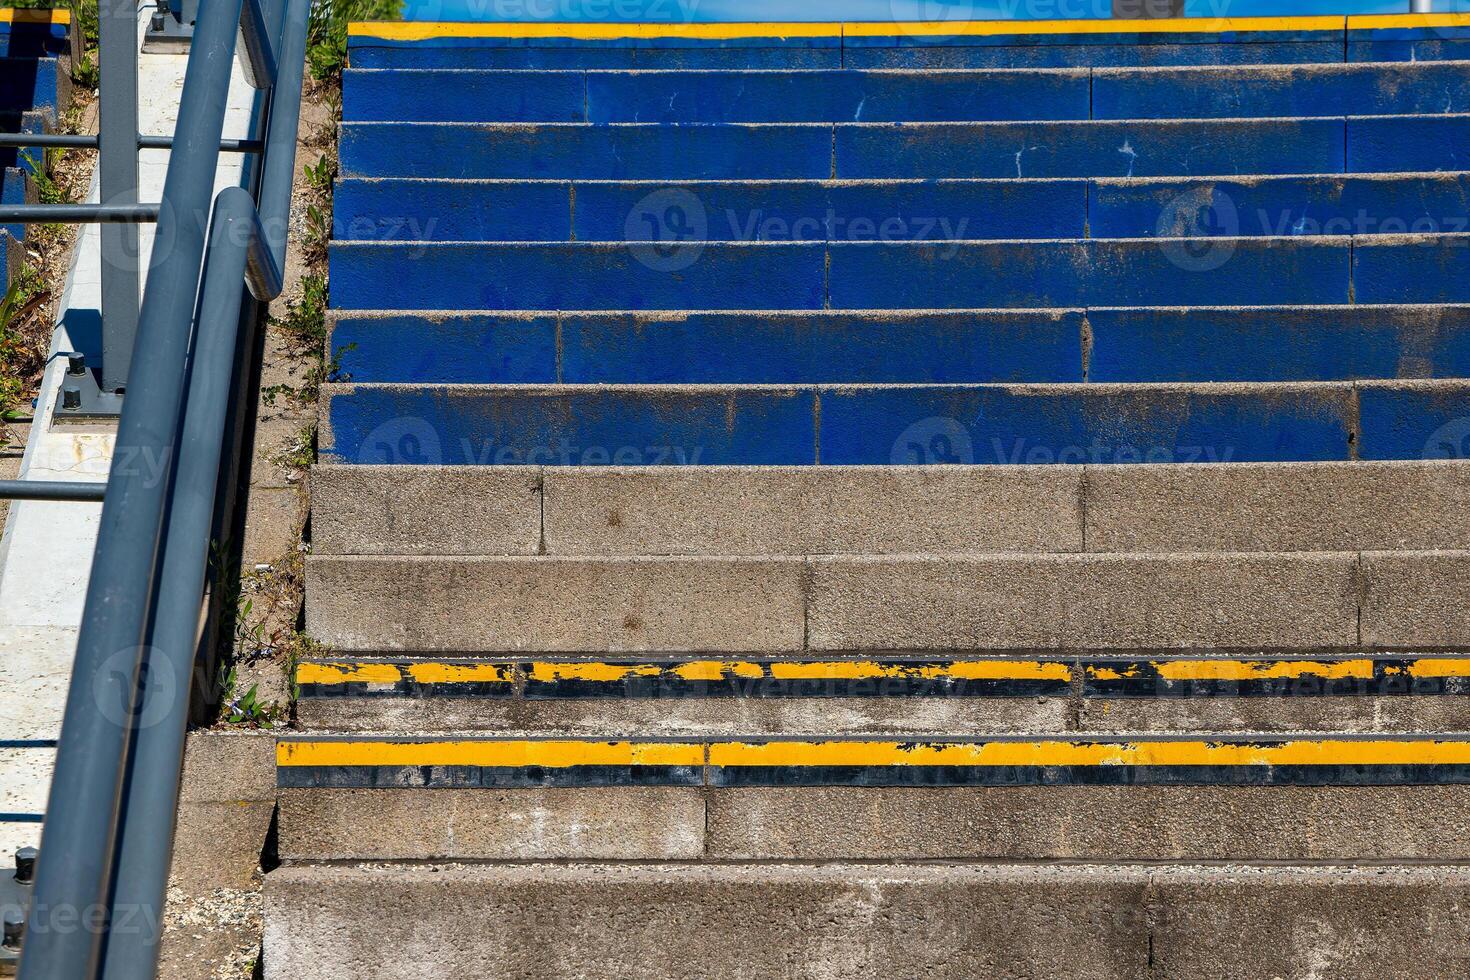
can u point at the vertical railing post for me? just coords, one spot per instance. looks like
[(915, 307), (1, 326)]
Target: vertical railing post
[(1421, 6), (117, 180)]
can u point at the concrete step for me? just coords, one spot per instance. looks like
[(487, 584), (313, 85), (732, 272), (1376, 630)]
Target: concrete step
[(410, 209), (1053, 274), (847, 921), (34, 83), (1281, 90), (318, 761), (1150, 344), (742, 347), (934, 697), (768, 425), (771, 151), (795, 511), (941, 43), (1287, 602), (717, 96), (407, 209), (361, 798), (856, 95), (34, 33)]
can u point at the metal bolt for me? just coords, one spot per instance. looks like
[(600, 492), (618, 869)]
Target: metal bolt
[(71, 399), (15, 928), (25, 865), (76, 364)]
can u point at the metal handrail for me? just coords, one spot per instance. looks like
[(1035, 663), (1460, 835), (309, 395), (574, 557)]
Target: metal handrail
[(88, 141), (108, 831), (49, 490)]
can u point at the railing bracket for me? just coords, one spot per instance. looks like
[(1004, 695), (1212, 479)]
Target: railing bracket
[(82, 399), (171, 27), (15, 905)]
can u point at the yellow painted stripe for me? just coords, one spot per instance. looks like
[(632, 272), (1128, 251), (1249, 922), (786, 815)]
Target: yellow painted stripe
[(547, 673), (423, 673), (460, 673), (1312, 752), (309, 673), (960, 670), (1250, 670), (58, 16), (1440, 667), (1179, 25), (1359, 22), (565, 753), (512, 753), (428, 30)]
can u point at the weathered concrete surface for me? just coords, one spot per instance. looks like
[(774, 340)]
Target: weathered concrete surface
[(1416, 599), (1083, 601), (803, 511), (589, 823), (642, 922), (426, 510), (1279, 506), (859, 921), (555, 604), (226, 800), (1228, 923), (1091, 823), (449, 510), (1399, 713), (619, 717)]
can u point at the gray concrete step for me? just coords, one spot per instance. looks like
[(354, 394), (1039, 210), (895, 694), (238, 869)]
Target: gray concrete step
[(1299, 601), (794, 510), (867, 823), (840, 921), (924, 697)]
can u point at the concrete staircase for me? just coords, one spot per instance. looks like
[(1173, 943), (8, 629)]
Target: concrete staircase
[(36, 52), (838, 504)]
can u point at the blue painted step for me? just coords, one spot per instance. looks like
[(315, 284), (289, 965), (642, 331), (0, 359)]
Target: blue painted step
[(1152, 148), (713, 348), (1281, 90), (870, 49), (585, 276), (580, 151), (1412, 269), (850, 95), (1149, 344), (1319, 205), (14, 190), (411, 209), (34, 37), (453, 210), (875, 275), (712, 97), (993, 424), (1408, 143), (34, 83), (772, 151), (1276, 343), (1442, 42)]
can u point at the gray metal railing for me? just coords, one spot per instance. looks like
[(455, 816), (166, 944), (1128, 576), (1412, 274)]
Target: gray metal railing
[(108, 836)]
